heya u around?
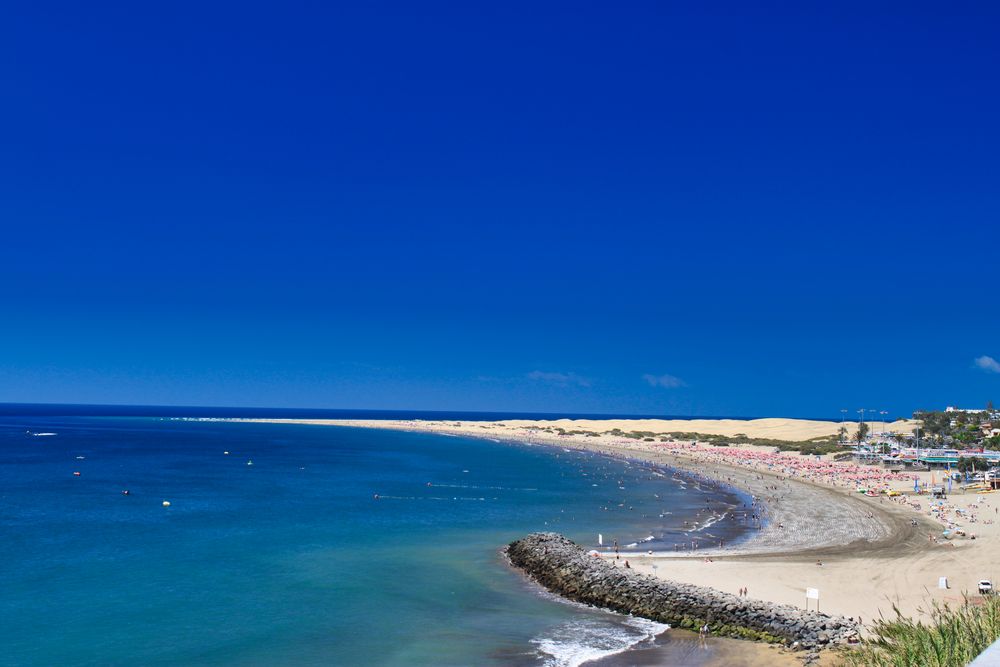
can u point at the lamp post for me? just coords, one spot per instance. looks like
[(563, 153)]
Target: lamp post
[(883, 413), (916, 432), (871, 430), (861, 435)]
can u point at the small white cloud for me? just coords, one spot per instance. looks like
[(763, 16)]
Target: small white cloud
[(988, 364), (666, 381), (559, 379)]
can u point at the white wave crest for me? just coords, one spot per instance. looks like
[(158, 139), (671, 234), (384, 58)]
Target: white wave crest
[(576, 642)]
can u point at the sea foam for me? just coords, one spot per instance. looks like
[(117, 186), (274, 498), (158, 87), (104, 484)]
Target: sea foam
[(573, 643)]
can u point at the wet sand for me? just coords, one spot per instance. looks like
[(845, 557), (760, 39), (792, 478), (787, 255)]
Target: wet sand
[(681, 648)]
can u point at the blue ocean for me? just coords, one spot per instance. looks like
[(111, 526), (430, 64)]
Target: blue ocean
[(313, 545)]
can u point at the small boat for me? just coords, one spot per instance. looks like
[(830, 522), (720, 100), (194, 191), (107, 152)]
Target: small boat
[(250, 463)]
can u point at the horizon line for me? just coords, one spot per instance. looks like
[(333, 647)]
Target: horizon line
[(158, 410)]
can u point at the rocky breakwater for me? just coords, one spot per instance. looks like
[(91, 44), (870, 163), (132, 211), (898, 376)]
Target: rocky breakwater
[(563, 567)]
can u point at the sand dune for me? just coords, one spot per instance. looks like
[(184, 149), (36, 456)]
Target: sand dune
[(776, 428)]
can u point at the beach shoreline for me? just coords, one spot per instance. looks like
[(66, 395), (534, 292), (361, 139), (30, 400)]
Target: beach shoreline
[(865, 555), (794, 508)]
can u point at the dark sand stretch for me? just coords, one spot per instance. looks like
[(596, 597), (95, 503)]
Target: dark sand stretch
[(804, 520)]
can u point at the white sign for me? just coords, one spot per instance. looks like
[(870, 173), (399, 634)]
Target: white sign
[(812, 593)]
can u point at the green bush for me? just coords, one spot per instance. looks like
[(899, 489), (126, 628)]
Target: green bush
[(954, 637)]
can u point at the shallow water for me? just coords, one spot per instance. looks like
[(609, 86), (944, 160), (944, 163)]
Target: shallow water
[(292, 560)]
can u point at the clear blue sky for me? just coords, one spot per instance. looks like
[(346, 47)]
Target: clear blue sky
[(679, 208)]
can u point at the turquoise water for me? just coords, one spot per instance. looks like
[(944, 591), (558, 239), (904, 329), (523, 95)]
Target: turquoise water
[(292, 560)]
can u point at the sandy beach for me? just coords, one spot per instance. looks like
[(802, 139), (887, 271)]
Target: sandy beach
[(865, 555)]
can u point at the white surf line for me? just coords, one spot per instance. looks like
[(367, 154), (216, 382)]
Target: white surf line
[(379, 496), (473, 486)]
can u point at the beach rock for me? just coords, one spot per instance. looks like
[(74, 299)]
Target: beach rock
[(563, 567)]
